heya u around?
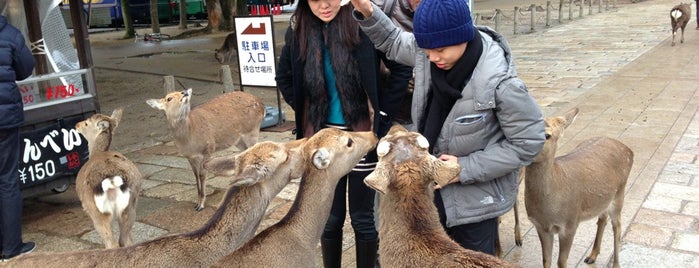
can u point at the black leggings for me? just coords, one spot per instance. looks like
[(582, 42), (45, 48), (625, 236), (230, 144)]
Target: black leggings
[(361, 208), (480, 236)]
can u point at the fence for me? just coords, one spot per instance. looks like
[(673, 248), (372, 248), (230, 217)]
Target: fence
[(538, 16)]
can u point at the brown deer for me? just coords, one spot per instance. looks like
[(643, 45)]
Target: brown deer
[(108, 185), (562, 191), (679, 17), (259, 174), (410, 234), (229, 119), (292, 241)]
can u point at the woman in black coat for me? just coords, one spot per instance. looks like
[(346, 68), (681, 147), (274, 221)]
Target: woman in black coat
[(328, 73)]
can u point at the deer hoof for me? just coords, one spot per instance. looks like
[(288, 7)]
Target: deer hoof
[(589, 260), (199, 208), (518, 243)]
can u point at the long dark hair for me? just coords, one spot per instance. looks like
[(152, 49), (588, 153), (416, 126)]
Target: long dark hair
[(306, 23)]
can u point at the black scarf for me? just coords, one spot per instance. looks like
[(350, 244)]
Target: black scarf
[(445, 89), (346, 67)]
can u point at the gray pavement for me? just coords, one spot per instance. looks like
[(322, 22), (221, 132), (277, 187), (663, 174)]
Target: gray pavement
[(617, 66)]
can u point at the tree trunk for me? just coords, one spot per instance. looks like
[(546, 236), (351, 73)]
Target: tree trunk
[(154, 18), (129, 32), (241, 7), (227, 15), (213, 10), (183, 15)]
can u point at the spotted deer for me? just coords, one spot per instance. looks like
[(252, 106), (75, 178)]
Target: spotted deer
[(589, 182), (292, 241), (258, 174), (108, 185), (410, 234), (229, 119)]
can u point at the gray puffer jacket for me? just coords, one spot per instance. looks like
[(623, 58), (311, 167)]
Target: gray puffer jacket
[(494, 129)]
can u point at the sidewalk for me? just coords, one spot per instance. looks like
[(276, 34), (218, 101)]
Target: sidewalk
[(617, 66)]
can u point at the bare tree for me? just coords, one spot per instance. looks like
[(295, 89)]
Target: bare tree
[(154, 19), (130, 32)]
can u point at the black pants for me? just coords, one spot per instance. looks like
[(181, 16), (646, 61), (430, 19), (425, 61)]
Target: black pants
[(479, 236), (351, 188), (10, 195)]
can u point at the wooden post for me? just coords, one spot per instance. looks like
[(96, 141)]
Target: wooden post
[(582, 4), (589, 7), (226, 78), (498, 13), (548, 13), (515, 20), (532, 9), (168, 83), (560, 11), (570, 9)]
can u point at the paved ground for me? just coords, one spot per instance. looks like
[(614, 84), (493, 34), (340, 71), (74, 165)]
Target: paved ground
[(617, 66)]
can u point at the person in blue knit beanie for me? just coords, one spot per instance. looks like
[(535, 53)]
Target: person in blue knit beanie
[(470, 105)]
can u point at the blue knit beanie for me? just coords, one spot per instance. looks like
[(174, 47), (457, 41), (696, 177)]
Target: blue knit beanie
[(441, 23)]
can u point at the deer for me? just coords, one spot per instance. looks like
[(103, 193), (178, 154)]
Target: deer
[(410, 234), (679, 17), (108, 184), (232, 118), (588, 182), (292, 241), (258, 174)]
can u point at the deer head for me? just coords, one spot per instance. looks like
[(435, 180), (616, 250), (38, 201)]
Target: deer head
[(324, 152), (404, 159), (259, 161), (98, 130), (554, 131), (175, 104)]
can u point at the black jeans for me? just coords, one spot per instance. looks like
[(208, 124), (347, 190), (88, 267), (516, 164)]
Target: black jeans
[(361, 208), (480, 236), (10, 195)]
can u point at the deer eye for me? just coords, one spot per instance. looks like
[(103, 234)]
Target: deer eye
[(349, 142), (548, 136), (169, 98)]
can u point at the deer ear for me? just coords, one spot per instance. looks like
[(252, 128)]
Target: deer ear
[(321, 158), (383, 148), (116, 117), (102, 125), (221, 166), (378, 179), (155, 103), (569, 117)]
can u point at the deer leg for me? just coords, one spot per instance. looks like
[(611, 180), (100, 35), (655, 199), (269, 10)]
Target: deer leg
[(498, 247), (546, 239), (682, 37), (103, 226), (126, 221), (601, 223), (673, 37), (518, 229), (565, 242), (615, 216), (196, 162)]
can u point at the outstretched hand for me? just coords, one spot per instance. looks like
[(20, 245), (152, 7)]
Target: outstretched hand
[(364, 7)]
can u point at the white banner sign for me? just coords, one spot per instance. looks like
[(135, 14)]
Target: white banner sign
[(256, 51)]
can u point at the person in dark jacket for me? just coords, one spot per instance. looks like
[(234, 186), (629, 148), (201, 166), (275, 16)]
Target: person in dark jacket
[(328, 73), (16, 63)]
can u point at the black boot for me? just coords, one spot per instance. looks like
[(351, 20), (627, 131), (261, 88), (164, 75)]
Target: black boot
[(332, 252), (366, 253)]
